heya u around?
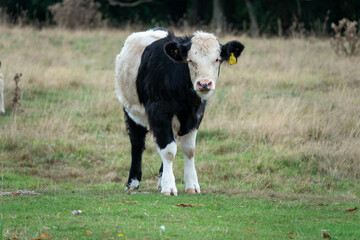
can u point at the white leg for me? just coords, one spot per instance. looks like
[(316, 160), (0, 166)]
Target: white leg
[(168, 180), (190, 175)]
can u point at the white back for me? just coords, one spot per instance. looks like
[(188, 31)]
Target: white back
[(126, 69)]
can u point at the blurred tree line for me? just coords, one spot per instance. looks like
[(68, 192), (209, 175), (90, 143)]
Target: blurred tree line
[(257, 17)]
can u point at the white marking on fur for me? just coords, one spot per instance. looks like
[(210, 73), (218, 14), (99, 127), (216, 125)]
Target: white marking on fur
[(175, 123), (138, 118), (204, 51), (126, 68), (188, 147), (168, 179), (134, 183), (2, 108)]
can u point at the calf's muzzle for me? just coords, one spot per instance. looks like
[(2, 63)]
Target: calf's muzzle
[(204, 85)]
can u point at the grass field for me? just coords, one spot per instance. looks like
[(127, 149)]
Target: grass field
[(216, 216), (278, 147)]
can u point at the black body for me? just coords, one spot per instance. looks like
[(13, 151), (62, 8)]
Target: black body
[(165, 89)]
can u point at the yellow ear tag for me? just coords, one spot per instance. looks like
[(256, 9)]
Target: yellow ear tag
[(232, 60), (176, 51)]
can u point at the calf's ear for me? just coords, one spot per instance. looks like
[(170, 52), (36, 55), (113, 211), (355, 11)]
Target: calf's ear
[(231, 51), (176, 51)]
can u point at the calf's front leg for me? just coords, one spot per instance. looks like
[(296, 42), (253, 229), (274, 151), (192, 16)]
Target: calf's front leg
[(161, 126), (167, 155), (190, 175)]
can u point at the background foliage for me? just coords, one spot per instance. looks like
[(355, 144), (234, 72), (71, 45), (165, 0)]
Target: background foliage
[(273, 17)]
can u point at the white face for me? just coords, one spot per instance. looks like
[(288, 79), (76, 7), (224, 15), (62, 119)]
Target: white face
[(204, 63)]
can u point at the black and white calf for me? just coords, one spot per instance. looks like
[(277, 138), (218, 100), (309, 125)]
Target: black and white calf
[(163, 82)]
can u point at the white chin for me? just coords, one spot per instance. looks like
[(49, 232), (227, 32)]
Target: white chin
[(204, 94)]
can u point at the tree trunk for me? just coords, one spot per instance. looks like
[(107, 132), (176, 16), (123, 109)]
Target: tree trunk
[(299, 9), (254, 25), (218, 16), (324, 28), (194, 12)]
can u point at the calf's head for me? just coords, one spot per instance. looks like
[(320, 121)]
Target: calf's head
[(204, 55)]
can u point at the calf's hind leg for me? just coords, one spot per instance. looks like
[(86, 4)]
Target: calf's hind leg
[(137, 135)]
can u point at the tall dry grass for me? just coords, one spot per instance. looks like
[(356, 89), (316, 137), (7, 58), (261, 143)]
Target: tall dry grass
[(294, 95)]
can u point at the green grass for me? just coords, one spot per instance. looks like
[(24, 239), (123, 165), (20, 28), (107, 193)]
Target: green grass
[(222, 216), (278, 148)]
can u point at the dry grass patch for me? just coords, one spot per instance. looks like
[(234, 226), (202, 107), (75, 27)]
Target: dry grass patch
[(289, 111)]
